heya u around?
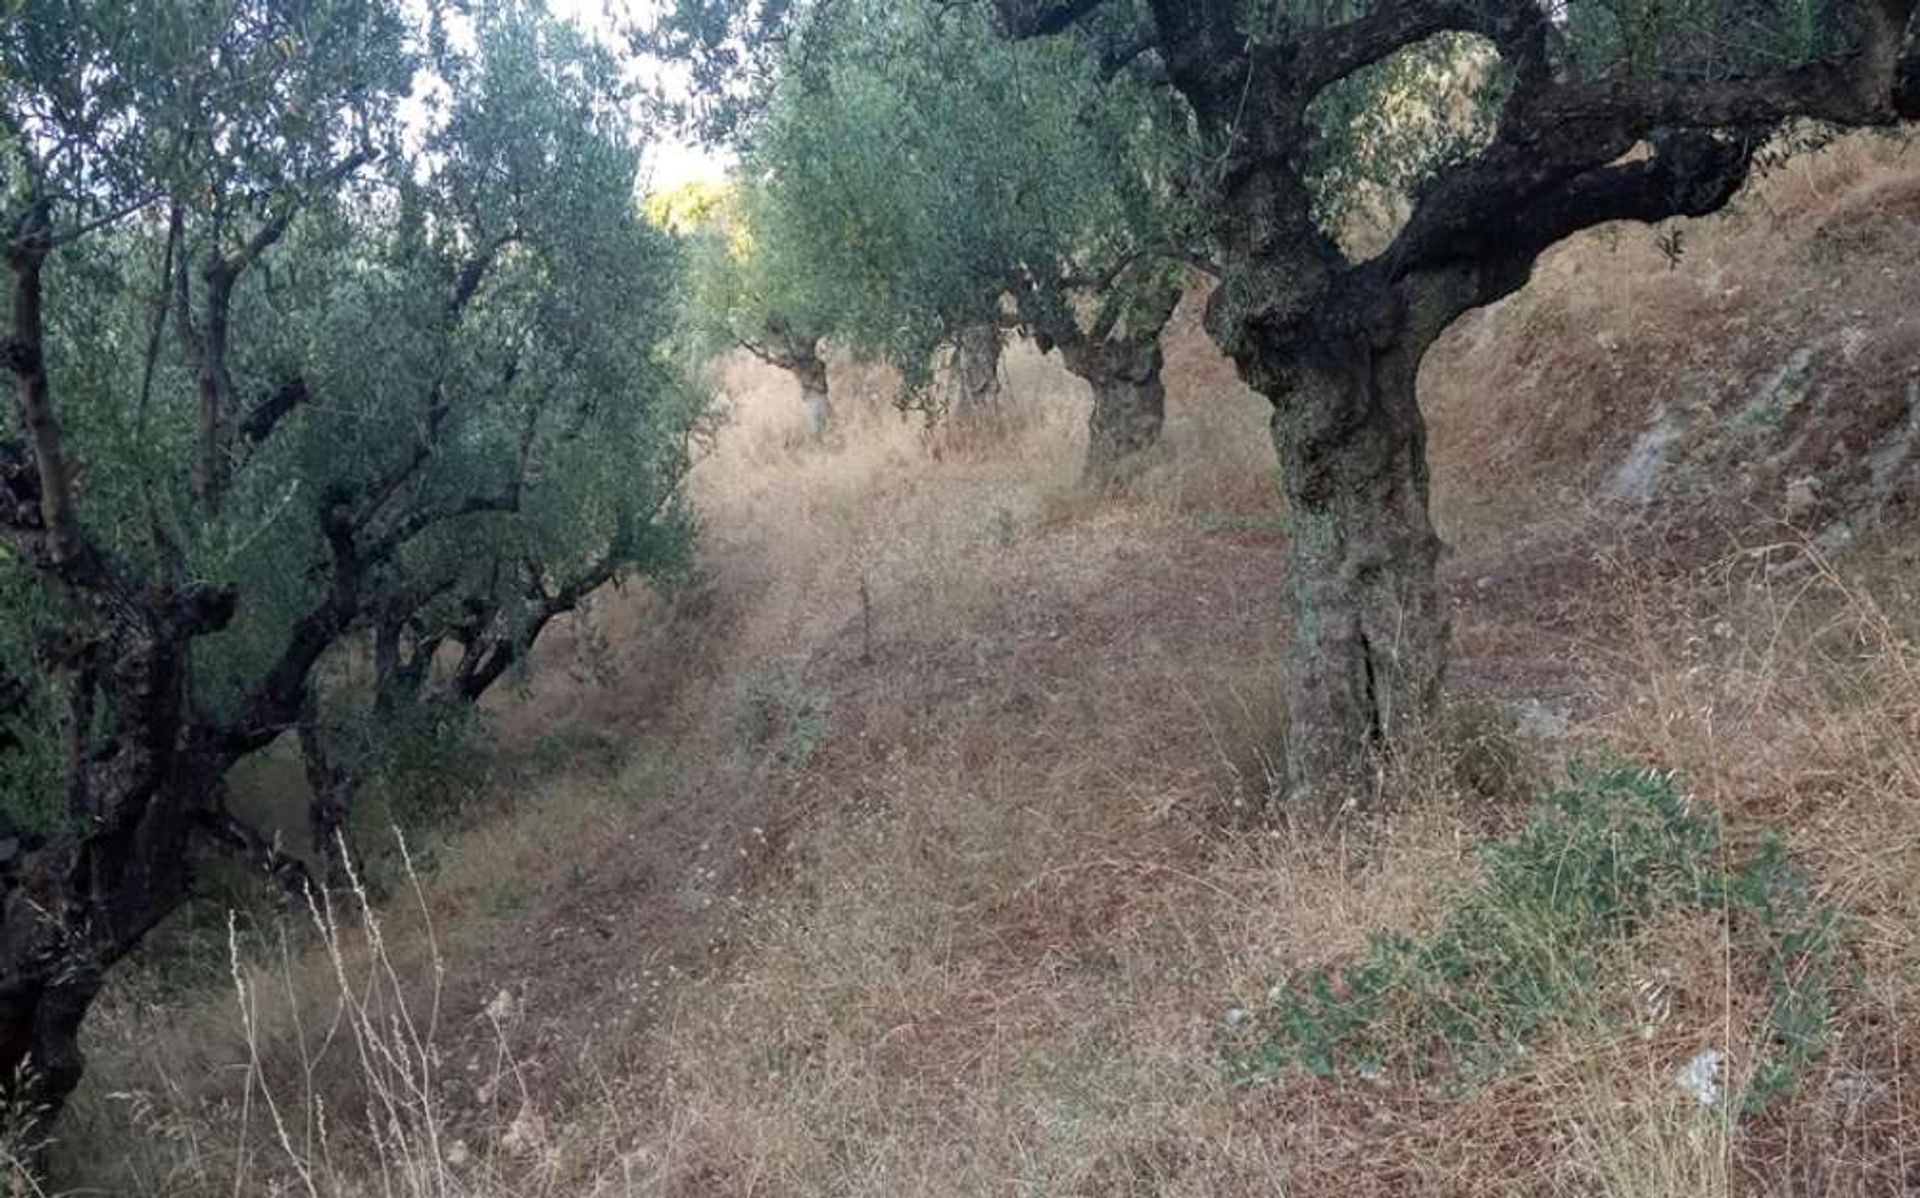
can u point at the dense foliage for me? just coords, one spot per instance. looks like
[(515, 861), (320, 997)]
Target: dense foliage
[(925, 169), (336, 338)]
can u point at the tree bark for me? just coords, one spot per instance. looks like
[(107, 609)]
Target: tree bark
[(975, 407), (41, 1023), (1370, 622), (810, 370), (1129, 405), (330, 792)]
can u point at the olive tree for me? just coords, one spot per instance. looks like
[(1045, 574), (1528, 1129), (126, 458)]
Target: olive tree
[(744, 292), (937, 184), (1598, 111), (297, 383)]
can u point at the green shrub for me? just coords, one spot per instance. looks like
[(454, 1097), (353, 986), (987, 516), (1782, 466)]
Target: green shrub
[(1521, 951), (776, 716)]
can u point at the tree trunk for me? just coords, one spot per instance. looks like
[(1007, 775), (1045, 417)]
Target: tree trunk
[(976, 379), (330, 789), (1370, 622), (811, 371), (1129, 404), (72, 910), (41, 1028)]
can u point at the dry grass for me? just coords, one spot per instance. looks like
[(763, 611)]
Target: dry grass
[(1548, 391), (925, 877)]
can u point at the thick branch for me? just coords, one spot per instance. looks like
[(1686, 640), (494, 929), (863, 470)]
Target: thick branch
[(208, 349), (276, 702), (1466, 257), (1842, 91), (478, 672), (1330, 54), (1555, 167), (473, 272), (438, 404), (267, 414), (115, 216), (421, 519), (771, 355), (389, 484), (1042, 18), (26, 359), (276, 225), (234, 838)]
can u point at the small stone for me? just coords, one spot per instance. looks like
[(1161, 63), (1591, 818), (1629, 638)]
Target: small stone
[(1237, 1016), (1701, 1076), (525, 1134), (691, 899), (458, 1155), (1834, 538), (1803, 495)]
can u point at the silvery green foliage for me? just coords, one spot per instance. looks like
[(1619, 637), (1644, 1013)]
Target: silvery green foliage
[(749, 283), (912, 169), (208, 122)]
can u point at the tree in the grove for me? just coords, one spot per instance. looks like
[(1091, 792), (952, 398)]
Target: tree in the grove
[(742, 292), (298, 382), (1595, 112), (937, 184)]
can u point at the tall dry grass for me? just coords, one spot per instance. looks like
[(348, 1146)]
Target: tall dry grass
[(982, 744)]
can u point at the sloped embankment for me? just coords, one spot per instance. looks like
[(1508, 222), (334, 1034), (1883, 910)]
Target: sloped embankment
[(926, 874)]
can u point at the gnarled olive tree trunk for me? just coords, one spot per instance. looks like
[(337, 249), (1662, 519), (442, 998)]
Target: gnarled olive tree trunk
[(1335, 341), (975, 408), (810, 370), (1119, 356), (1370, 622), (1129, 403), (780, 344)]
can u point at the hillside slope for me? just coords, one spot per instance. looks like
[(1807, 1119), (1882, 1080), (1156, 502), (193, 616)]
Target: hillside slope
[(906, 850)]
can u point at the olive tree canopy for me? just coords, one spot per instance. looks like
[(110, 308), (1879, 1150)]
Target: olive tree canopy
[(290, 374), (932, 178)]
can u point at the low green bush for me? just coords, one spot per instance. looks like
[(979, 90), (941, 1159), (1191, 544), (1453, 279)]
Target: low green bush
[(1522, 951)]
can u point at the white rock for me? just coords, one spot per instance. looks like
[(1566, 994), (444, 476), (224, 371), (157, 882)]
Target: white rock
[(525, 1134), (1701, 1076), (503, 1007), (1803, 495)]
